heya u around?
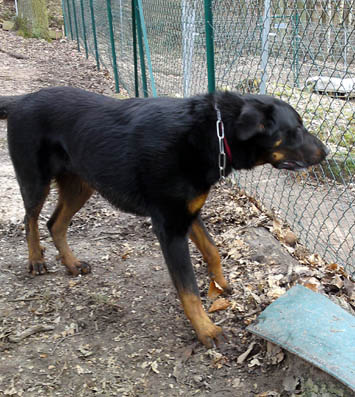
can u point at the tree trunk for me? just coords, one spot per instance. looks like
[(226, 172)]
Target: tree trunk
[(34, 18)]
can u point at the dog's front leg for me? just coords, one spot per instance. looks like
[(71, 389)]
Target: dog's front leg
[(176, 253), (208, 249)]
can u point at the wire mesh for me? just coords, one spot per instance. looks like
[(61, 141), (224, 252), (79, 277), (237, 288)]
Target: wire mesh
[(299, 51)]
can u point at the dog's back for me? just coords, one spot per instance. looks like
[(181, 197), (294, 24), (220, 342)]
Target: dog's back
[(119, 147)]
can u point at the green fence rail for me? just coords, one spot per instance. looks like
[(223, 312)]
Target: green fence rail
[(300, 51)]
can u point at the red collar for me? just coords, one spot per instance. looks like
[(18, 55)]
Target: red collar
[(221, 135), (228, 149)]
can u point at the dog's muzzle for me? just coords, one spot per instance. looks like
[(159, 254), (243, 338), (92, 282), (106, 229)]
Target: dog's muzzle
[(291, 165)]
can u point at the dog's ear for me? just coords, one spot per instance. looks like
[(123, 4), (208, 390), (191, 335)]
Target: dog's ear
[(252, 120)]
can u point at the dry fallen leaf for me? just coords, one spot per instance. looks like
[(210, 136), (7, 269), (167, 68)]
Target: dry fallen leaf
[(154, 367), (338, 281), (219, 304), (73, 282), (214, 290), (234, 253), (333, 267), (245, 355), (312, 287), (276, 291), (313, 284), (277, 227), (254, 362), (314, 259)]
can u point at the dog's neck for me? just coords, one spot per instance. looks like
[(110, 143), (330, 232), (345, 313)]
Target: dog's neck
[(224, 149)]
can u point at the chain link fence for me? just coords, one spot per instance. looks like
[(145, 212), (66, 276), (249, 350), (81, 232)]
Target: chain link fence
[(300, 51)]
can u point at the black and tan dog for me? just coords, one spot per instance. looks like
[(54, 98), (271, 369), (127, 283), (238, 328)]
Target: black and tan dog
[(155, 157)]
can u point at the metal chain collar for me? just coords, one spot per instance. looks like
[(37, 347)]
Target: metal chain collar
[(222, 157)]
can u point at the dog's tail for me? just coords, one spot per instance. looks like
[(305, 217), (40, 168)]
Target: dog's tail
[(6, 103)]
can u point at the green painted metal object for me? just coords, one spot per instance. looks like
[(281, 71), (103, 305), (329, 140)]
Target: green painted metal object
[(112, 42), (84, 28), (65, 16), (76, 26), (135, 53), (70, 20), (209, 46), (93, 25), (146, 45), (313, 327), (141, 50)]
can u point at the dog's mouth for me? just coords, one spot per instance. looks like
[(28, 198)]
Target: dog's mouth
[(291, 165)]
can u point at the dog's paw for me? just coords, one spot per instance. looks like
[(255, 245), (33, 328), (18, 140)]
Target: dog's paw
[(78, 268), (227, 290), (84, 268), (211, 336), (37, 268)]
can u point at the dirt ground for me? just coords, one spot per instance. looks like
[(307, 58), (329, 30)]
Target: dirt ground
[(120, 331)]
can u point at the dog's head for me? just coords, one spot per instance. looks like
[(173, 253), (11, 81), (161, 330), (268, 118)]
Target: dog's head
[(275, 133)]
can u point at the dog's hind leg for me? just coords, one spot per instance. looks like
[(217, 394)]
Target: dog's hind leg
[(35, 251), (205, 244), (34, 183), (73, 194)]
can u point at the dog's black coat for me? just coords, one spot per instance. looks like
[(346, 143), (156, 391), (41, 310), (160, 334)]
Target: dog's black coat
[(152, 157)]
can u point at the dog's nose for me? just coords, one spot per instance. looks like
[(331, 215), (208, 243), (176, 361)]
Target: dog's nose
[(326, 150)]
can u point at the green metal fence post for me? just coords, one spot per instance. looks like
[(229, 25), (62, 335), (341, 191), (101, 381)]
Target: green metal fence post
[(146, 45), (135, 55), (296, 46), (265, 45), (65, 17), (84, 28), (209, 46), (70, 23), (141, 50), (93, 24), (76, 25), (112, 41)]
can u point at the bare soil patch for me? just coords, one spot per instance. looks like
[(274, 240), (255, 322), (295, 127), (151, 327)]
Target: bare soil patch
[(120, 331)]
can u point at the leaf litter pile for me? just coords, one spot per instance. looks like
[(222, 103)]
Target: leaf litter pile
[(121, 331)]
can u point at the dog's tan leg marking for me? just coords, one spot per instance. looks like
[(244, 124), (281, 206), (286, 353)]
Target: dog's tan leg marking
[(197, 203), (206, 331), (205, 245), (35, 250), (73, 194)]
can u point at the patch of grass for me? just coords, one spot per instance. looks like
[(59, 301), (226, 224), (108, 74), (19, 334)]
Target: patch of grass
[(23, 28), (337, 168), (349, 138)]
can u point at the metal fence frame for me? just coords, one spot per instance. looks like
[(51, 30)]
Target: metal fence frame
[(182, 47)]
